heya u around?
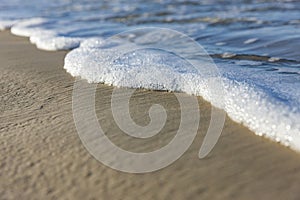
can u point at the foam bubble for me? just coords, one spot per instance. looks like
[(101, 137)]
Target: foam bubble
[(273, 59), (228, 55), (251, 40), (221, 43)]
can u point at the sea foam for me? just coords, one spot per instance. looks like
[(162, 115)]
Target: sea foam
[(262, 101)]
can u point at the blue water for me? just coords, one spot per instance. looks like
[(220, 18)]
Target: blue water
[(254, 44)]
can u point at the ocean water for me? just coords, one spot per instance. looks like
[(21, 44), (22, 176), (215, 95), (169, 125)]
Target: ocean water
[(253, 43)]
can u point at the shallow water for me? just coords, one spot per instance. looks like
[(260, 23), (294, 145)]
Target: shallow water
[(254, 44)]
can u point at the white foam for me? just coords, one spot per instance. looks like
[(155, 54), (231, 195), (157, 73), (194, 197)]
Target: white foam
[(228, 55), (43, 38), (54, 43), (221, 43), (245, 102), (251, 40), (273, 59), (92, 43), (28, 27)]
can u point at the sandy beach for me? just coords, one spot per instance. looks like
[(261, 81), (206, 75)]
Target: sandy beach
[(42, 156)]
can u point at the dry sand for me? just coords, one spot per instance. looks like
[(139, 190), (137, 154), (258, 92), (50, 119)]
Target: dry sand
[(42, 156)]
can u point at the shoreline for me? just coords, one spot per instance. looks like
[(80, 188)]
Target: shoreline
[(42, 156)]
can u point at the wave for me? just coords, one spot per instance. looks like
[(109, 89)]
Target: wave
[(259, 98), (256, 54)]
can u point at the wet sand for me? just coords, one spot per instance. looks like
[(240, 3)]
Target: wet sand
[(42, 156)]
